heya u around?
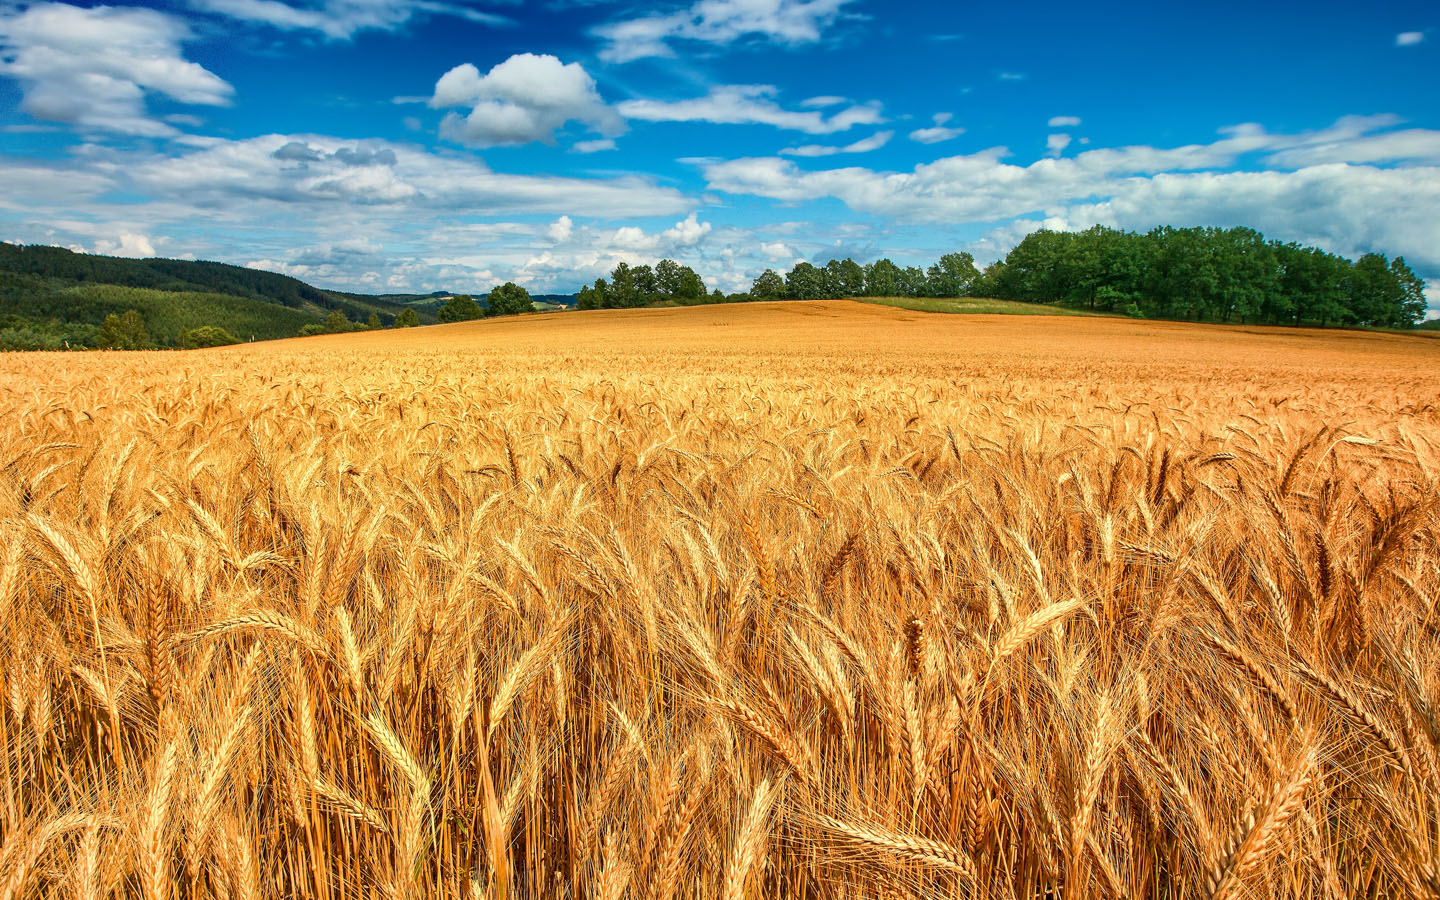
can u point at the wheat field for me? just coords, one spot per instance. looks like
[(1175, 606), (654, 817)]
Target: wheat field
[(810, 600)]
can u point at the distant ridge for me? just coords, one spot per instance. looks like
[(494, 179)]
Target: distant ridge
[(53, 298)]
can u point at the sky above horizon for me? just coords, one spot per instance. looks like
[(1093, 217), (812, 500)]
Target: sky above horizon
[(419, 145)]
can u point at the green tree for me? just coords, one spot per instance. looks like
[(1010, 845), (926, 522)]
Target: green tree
[(407, 318), (460, 308), (667, 277), (373, 321), (844, 278), (123, 332), (623, 293), (953, 276), (912, 281), (769, 286), (691, 287), (508, 299), (336, 322), (1412, 294), (206, 336), (882, 279), (805, 282)]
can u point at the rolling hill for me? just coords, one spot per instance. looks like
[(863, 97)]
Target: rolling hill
[(51, 298)]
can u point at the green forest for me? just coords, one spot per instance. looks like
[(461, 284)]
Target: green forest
[(55, 299), (1196, 274)]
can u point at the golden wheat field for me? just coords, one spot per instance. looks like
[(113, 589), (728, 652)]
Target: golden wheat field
[(811, 600)]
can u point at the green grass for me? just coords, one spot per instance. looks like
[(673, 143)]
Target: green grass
[(974, 305)]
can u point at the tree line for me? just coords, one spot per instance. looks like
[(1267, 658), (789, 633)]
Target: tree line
[(630, 287), (1200, 274), (1208, 274)]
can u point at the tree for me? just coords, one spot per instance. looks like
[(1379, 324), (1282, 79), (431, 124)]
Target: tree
[(206, 336), (844, 278), (123, 332), (769, 286), (805, 282), (373, 321), (593, 297), (716, 296), (882, 279), (623, 293), (912, 281), (460, 308), (691, 287), (508, 299), (1412, 294), (407, 318), (336, 323), (646, 288), (953, 276), (667, 277)]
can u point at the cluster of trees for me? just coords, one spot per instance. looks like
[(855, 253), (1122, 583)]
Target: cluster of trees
[(954, 275), (1210, 274), (634, 286), (506, 299)]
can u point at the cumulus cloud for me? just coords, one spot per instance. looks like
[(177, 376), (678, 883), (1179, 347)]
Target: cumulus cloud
[(1409, 38), (721, 22), (526, 98), (94, 67), (560, 230), (1064, 121), (864, 145), (1055, 144), (127, 243), (1345, 205), (318, 171), (342, 19), (749, 104), (938, 132)]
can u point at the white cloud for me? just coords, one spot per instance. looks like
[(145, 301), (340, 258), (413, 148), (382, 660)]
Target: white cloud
[(94, 67), (1409, 38), (560, 230), (686, 233), (864, 145), (749, 104), (342, 19), (526, 98), (596, 146), (778, 250), (325, 171), (1341, 205), (823, 101), (1055, 144), (938, 132), (721, 22), (126, 244), (1064, 121)]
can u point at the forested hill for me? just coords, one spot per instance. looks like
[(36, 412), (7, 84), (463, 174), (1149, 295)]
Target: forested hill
[(52, 298), (163, 275)]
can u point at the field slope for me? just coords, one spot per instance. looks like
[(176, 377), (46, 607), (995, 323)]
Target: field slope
[(816, 600)]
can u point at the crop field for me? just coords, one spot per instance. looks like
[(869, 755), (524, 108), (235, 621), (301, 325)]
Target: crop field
[(800, 600)]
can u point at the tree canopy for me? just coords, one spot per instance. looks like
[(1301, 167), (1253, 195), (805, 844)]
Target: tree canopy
[(1209, 274), (634, 286), (507, 300), (460, 308)]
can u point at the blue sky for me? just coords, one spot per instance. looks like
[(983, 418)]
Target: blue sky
[(398, 145)]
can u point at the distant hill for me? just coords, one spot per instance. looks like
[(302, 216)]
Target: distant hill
[(51, 297)]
